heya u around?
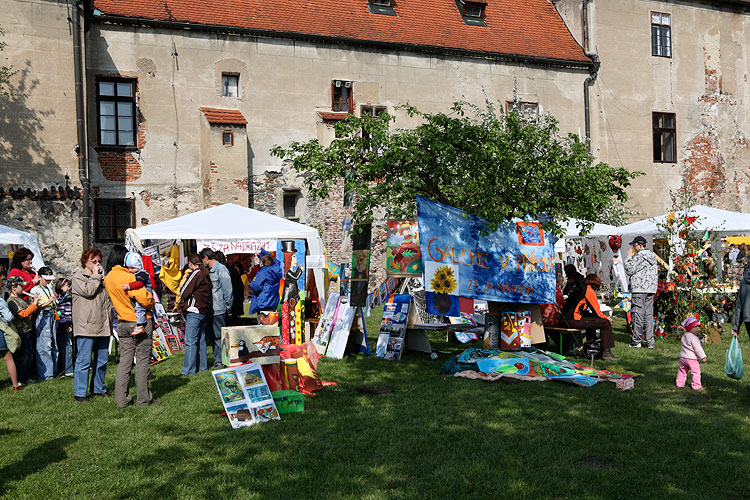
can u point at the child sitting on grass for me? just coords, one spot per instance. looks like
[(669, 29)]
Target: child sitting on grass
[(690, 353), (134, 264)]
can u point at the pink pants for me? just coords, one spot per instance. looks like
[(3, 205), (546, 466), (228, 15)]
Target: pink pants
[(689, 365)]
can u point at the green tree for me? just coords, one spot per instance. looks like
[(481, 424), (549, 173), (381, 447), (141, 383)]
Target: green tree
[(5, 72), (495, 166)]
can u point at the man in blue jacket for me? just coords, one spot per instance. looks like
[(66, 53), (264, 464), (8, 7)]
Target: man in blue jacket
[(221, 295), (265, 285)]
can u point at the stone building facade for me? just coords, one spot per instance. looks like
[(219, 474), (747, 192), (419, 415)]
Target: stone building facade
[(183, 105)]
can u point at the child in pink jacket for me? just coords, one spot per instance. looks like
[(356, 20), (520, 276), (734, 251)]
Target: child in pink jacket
[(690, 353)]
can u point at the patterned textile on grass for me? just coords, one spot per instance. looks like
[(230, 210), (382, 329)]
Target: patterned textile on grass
[(529, 364)]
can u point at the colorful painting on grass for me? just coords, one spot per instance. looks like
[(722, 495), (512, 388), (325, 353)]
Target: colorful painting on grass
[(402, 254), (292, 255), (245, 395), (393, 327), (515, 330), (258, 343), (515, 264), (325, 324)]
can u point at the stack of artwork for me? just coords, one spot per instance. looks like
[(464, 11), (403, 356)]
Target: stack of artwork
[(332, 333), (165, 339), (245, 395), (257, 343), (392, 336), (360, 268)]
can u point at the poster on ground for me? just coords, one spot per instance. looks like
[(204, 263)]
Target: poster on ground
[(393, 327), (514, 264), (340, 331), (257, 343), (325, 324), (245, 395)]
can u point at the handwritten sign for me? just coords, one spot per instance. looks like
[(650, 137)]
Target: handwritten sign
[(515, 264), (237, 246), (289, 401)]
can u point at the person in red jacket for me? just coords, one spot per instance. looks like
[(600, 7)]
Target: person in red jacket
[(21, 266), (587, 316)]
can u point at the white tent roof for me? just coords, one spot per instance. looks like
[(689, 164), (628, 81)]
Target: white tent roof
[(573, 231), (10, 236), (722, 221), (226, 222), (232, 222)]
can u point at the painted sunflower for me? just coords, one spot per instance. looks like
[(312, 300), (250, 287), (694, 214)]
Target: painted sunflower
[(443, 280)]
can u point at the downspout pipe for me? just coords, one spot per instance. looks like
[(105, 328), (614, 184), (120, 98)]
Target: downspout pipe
[(82, 146), (594, 72)]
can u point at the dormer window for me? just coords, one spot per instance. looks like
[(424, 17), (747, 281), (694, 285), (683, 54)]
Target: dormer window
[(385, 7), (472, 12)]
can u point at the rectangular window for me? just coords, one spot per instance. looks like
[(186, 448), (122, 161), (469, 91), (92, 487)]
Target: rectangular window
[(528, 110), (665, 137), (111, 219), (291, 196), (343, 99), (371, 111), (230, 85), (116, 111), (227, 138), (661, 35), (472, 12)]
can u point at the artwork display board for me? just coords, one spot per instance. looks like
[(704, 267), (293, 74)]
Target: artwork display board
[(245, 395), (257, 343), (515, 264), (325, 324), (360, 268), (163, 336), (342, 325), (393, 327), (402, 253), (292, 255)]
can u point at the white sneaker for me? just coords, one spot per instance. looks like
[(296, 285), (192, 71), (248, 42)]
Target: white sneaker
[(635, 346)]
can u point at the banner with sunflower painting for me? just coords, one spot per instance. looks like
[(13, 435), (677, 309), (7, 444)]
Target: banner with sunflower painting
[(514, 264)]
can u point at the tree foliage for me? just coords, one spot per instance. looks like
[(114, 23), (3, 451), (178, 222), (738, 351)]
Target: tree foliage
[(5, 71), (495, 166)]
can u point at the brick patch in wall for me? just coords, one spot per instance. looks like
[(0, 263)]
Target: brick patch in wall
[(241, 183), (704, 167), (214, 167), (119, 167)]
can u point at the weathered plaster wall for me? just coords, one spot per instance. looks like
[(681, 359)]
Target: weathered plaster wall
[(704, 83), (37, 126)]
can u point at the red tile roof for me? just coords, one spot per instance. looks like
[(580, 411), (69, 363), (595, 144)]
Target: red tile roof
[(224, 116), (520, 28)]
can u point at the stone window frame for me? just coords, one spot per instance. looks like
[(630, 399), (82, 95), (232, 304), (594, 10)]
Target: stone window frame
[(344, 96), (661, 34), (659, 132), (224, 87), (224, 141), (115, 204), (291, 193), (132, 99)]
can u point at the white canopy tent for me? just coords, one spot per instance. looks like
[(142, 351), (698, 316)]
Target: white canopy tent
[(722, 221), (230, 222), (573, 229), (10, 236)]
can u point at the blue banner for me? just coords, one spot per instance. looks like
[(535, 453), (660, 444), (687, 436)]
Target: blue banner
[(516, 263)]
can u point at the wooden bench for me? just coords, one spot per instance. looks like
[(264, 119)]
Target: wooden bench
[(560, 331)]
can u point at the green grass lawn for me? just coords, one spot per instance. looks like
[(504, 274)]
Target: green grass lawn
[(435, 436)]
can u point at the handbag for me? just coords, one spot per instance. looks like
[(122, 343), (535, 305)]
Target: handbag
[(12, 339), (733, 366)]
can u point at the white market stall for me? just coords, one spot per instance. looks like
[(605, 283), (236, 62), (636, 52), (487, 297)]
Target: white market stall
[(241, 229), (10, 236)]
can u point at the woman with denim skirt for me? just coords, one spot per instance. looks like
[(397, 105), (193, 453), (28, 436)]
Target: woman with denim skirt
[(195, 304)]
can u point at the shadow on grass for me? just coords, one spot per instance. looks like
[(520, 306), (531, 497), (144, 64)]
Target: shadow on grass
[(35, 460)]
